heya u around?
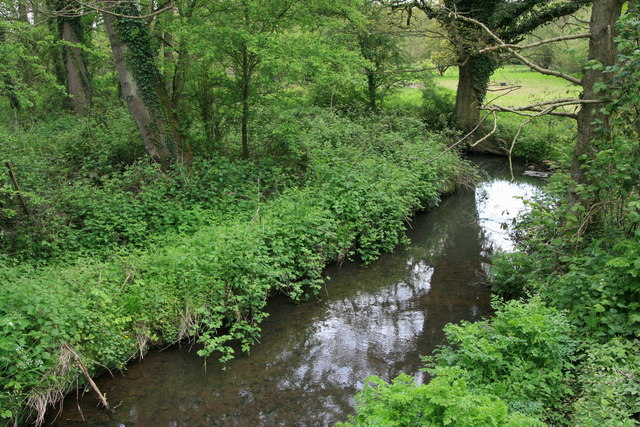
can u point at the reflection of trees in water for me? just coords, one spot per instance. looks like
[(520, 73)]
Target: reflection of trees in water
[(360, 331), (498, 203)]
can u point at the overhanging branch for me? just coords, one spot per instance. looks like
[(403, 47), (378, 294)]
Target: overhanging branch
[(536, 44), (546, 107), (524, 60)]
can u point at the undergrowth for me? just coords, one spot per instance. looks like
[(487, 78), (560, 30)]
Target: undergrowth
[(242, 236)]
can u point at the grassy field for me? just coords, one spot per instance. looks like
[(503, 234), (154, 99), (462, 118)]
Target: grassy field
[(546, 138), (533, 86), (528, 87)]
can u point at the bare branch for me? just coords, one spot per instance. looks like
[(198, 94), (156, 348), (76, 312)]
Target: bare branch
[(504, 109), (549, 107), (527, 62), (461, 140), (536, 44), (118, 15), (495, 127)]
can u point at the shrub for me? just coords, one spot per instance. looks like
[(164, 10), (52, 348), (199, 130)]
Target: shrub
[(610, 383), (522, 355), (437, 106), (445, 400)]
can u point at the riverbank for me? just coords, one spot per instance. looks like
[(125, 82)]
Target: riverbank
[(101, 313), (313, 356)]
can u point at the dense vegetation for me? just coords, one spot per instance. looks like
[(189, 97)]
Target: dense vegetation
[(168, 170), (239, 241)]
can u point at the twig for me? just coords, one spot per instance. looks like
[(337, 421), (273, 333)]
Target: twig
[(495, 127), (539, 43), (452, 146), (551, 106), (547, 110), (93, 385), (126, 279), (17, 187)]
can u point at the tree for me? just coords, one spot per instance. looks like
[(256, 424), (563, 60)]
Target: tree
[(254, 44), (7, 78), (379, 47), (71, 33), (142, 85), (602, 54), (509, 20)]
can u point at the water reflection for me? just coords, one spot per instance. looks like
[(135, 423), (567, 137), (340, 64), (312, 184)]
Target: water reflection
[(313, 357), (385, 324), (499, 202)]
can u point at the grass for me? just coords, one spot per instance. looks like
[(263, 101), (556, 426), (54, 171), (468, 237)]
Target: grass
[(511, 85), (546, 138), (407, 97), (530, 86)]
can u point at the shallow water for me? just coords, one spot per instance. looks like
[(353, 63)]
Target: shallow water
[(314, 356)]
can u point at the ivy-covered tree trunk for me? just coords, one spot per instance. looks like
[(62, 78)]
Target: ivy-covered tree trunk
[(143, 87), (509, 20), (591, 119), (473, 81), (77, 77), (467, 109)]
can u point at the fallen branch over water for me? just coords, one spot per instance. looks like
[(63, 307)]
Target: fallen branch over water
[(93, 385)]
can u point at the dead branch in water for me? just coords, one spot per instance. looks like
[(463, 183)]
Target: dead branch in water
[(93, 385)]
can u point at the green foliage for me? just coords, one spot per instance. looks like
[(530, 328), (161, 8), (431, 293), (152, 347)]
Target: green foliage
[(600, 289), (511, 273), (522, 356), (511, 370), (444, 56), (226, 235), (88, 193), (610, 383), (438, 104), (546, 138), (445, 400)]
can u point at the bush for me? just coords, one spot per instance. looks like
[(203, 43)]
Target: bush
[(438, 106), (514, 369), (511, 273), (543, 139), (522, 356), (445, 400), (610, 382), (600, 289)]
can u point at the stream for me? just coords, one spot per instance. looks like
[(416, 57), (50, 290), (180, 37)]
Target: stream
[(313, 357)]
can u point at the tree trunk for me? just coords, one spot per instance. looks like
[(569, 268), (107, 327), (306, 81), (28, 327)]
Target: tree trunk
[(245, 92), (467, 111), (76, 70), (602, 48), (7, 79), (161, 139), (245, 121), (372, 89)]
